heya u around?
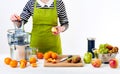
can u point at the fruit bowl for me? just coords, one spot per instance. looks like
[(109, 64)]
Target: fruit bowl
[(105, 52), (105, 58)]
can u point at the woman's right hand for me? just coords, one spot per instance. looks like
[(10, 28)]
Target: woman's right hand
[(15, 18)]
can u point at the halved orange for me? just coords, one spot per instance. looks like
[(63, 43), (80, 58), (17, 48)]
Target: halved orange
[(34, 64), (23, 60)]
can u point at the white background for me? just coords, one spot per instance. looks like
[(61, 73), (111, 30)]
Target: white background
[(87, 18)]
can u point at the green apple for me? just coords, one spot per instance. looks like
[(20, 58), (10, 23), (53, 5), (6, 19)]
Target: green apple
[(87, 57)]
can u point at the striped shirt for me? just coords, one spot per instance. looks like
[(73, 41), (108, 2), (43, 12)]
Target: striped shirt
[(28, 11)]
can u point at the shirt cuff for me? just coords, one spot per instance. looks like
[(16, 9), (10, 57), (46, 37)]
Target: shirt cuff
[(66, 26)]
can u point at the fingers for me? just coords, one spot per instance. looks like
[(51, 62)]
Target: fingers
[(54, 30), (60, 28), (14, 18), (57, 30)]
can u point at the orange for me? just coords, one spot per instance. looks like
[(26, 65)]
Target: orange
[(13, 63), (34, 64), (47, 55), (22, 65), (32, 60), (40, 55), (50, 52), (54, 55), (23, 60), (49, 60), (54, 61), (7, 60)]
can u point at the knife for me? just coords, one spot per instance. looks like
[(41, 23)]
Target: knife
[(63, 59)]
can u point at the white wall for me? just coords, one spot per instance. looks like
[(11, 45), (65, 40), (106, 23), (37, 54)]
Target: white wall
[(87, 18)]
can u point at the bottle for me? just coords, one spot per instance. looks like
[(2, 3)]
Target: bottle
[(91, 45)]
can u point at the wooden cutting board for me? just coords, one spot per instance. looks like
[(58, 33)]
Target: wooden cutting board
[(62, 64)]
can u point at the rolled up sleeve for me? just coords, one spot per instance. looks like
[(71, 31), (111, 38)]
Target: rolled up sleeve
[(62, 14)]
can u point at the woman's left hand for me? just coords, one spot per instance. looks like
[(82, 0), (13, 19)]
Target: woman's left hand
[(57, 30)]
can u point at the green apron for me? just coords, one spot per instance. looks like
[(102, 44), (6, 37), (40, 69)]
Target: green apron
[(41, 36)]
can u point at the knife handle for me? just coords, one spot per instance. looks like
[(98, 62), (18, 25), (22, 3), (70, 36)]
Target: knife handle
[(69, 56)]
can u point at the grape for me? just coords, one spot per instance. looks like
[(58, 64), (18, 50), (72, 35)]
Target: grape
[(101, 46), (103, 49)]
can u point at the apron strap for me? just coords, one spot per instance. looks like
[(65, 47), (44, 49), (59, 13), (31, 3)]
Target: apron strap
[(35, 4)]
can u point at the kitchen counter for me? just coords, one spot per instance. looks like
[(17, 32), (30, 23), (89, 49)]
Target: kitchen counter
[(88, 68)]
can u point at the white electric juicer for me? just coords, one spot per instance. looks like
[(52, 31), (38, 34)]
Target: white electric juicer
[(18, 41)]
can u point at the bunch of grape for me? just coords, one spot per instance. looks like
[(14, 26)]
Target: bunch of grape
[(103, 49), (107, 48)]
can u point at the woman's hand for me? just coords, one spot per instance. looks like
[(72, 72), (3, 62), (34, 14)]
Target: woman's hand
[(15, 19), (57, 30)]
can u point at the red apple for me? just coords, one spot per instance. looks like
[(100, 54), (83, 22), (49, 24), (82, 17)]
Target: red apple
[(96, 63), (113, 63)]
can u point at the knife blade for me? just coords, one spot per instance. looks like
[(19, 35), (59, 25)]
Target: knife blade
[(63, 59)]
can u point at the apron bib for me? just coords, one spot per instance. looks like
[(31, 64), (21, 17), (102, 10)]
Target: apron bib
[(41, 36)]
